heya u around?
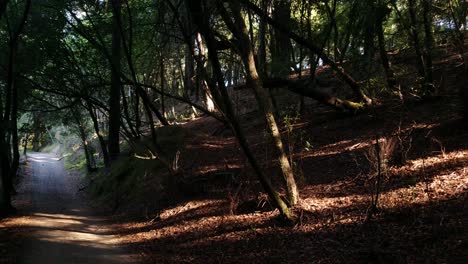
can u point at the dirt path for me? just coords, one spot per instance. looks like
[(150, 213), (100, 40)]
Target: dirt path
[(57, 225)]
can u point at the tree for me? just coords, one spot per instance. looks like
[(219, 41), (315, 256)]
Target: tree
[(222, 98), (9, 113), (281, 44), (3, 5), (239, 30), (114, 99)]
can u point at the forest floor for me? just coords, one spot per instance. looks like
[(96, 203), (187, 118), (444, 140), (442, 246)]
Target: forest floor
[(422, 217)]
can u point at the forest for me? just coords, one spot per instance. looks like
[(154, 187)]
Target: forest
[(224, 131)]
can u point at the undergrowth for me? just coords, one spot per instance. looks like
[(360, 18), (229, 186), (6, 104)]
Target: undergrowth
[(139, 179)]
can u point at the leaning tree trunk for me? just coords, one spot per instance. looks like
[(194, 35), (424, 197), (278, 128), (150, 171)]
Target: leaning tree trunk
[(239, 30), (226, 106)]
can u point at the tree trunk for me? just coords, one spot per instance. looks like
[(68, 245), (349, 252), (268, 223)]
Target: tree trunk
[(207, 97), (14, 136), (25, 146), (89, 167), (5, 205), (3, 5), (102, 142), (10, 116), (307, 88), (161, 78), (189, 71), (84, 140), (114, 100), (239, 30), (428, 43), (127, 113), (281, 44), (136, 105), (389, 75), (415, 37), (262, 54)]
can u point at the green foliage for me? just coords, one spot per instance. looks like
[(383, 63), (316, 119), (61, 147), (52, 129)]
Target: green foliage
[(295, 139), (376, 86)]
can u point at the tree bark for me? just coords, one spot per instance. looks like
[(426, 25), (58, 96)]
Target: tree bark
[(102, 142), (202, 84), (189, 71), (114, 99), (3, 5), (5, 205), (389, 75), (136, 106), (415, 37), (262, 54), (428, 43), (127, 113), (89, 166), (281, 43), (161, 79), (9, 122)]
